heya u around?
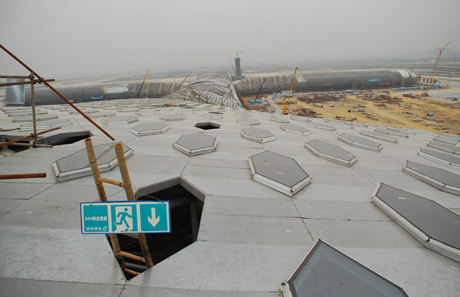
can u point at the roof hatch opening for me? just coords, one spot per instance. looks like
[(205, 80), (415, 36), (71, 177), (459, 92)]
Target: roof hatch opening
[(207, 126), (186, 204)]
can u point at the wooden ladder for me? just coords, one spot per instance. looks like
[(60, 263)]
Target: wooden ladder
[(126, 184)]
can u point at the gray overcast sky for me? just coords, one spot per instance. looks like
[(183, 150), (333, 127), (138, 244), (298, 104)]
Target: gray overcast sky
[(61, 37)]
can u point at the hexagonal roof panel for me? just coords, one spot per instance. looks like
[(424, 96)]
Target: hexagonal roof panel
[(213, 116), (149, 128), (102, 115), (295, 129), (43, 125), (147, 112), (453, 140), (248, 121), (325, 271), (392, 132), (38, 118), (439, 157), (77, 164), (331, 152), (120, 120), (453, 149), (300, 119), (172, 117), (185, 111), (379, 136), (437, 177), (278, 172), (360, 142), (279, 119), (128, 109), (196, 144), (433, 225), (257, 135), (321, 126)]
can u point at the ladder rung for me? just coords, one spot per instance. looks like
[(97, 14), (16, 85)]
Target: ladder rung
[(131, 256), (110, 181), (131, 271)]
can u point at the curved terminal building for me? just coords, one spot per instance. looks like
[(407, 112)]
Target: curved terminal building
[(331, 81)]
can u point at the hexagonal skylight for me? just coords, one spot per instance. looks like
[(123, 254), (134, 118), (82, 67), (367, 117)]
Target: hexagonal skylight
[(450, 148), (295, 129), (300, 119), (321, 126), (437, 177), (257, 135), (196, 144), (433, 225), (149, 128), (248, 121), (392, 132), (172, 117), (331, 152), (279, 119), (360, 142), (119, 120), (77, 164), (379, 136), (439, 157), (43, 125), (212, 116), (38, 118), (324, 271), (278, 172)]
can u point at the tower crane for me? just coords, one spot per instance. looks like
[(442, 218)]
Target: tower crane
[(430, 82)]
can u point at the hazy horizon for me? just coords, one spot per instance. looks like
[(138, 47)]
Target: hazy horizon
[(65, 38)]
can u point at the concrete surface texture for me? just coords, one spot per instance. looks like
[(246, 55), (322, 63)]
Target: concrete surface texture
[(250, 236)]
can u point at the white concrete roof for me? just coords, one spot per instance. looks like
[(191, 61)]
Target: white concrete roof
[(251, 236)]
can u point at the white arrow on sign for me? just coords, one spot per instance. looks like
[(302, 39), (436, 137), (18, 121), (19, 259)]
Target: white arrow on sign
[(153, 220)]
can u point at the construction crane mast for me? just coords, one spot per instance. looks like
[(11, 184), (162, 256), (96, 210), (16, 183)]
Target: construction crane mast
[(430, 82)]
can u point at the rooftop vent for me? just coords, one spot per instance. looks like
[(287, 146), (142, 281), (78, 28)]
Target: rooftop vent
[(324, 271)]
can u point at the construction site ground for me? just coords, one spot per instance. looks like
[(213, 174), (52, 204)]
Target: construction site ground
[(384, 107)]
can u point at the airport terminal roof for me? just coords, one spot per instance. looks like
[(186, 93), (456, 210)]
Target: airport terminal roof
[(251, 236)]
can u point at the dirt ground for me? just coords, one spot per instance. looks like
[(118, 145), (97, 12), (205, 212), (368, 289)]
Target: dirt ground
[(384, 107)]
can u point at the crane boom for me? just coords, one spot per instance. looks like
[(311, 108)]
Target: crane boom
[(430, 82)]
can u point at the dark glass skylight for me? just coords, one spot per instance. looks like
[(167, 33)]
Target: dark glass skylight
[(437, 177), (325, 271), (433, 225)]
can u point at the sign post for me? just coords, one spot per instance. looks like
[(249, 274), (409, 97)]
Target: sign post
[(123, 217)]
